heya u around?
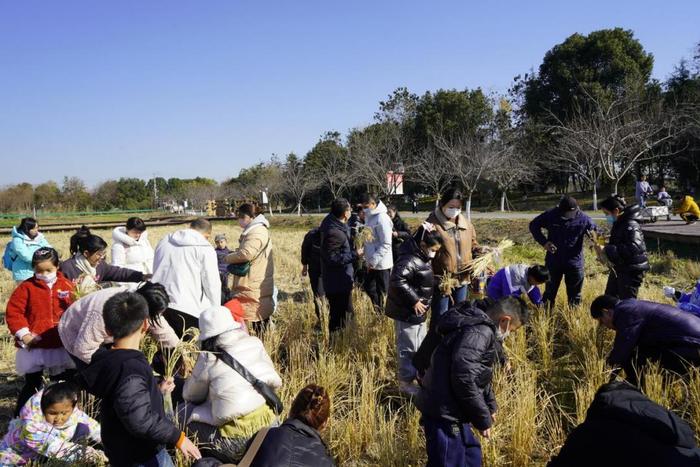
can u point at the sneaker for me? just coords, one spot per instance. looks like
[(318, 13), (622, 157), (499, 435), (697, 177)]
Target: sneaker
[(409, 389)]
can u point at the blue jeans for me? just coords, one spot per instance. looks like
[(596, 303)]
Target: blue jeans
[(450, 444), (162, 459), (442, 303)]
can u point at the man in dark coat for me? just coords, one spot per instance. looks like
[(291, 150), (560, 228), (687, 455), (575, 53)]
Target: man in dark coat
[(337, 257), (623, 427), (311, 264), (457, 387), (566, 228), (647, 331)]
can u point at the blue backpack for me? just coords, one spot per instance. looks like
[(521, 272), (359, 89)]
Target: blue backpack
[(7, 258)]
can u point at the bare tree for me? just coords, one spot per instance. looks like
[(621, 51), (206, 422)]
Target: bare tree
[(329, 164), (614, 137), (511, 167), (375, 152), (434, 169), (297, 180), (469, 159), (572, 153)]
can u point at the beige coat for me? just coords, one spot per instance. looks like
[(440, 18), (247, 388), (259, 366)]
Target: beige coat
[(459, 239), (254, 290)]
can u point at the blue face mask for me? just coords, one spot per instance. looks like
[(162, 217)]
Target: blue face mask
[(610, 218)]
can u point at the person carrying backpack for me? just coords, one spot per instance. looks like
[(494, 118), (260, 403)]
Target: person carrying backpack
[(26, 239)]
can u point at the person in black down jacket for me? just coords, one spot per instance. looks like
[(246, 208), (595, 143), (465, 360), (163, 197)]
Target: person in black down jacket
[(135, 429), (408, 300), (457, 387), (400, 232), (311, 265), (624, 427), (337, 257), (648, 331), (626, 249)]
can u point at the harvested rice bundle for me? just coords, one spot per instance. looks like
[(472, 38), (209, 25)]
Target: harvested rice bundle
[(364, 235), (186, 351), (448, 283), (490, 256)]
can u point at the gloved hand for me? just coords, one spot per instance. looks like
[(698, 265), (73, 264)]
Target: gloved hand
[(669, 292)]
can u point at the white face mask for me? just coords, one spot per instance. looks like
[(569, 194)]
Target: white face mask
[(452, 212), (368, 212), (48, 278), (431, 254)]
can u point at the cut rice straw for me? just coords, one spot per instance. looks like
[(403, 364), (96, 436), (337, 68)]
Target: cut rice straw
[(364, 235), (492, 256)]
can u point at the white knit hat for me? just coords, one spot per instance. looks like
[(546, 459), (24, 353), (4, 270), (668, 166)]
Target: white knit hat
[(214, 321)]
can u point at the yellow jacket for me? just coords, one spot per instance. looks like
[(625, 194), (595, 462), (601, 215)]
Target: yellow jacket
[(688, 205)]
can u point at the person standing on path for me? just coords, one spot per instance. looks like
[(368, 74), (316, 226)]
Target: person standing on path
[(567, 227), (185, 263), (378, 253)]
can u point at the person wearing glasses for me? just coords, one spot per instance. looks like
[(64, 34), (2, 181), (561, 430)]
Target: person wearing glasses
[(87, 266)]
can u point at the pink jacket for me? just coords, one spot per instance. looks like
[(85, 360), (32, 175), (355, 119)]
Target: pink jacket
[(82, 328)]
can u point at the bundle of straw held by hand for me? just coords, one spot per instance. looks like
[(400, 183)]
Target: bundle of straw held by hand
[(490, 256), (364, 235), (448, 283)]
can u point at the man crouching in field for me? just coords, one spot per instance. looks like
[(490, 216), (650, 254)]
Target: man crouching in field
[(457, 389)]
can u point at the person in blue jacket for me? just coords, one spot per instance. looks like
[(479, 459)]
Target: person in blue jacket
[(26, 239), (566, 227), (686, 301), (516, 279), (648, 332)]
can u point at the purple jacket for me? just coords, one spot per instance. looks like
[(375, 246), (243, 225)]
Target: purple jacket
[(639, 323), (220, 255), (512, 281), (567, 234)]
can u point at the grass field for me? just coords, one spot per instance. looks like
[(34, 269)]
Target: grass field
[(557, 364)]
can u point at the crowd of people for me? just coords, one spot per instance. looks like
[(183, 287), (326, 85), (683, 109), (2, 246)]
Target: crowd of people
[(82, 322)]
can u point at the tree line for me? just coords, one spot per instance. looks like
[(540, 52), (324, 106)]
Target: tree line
[(590, 118)]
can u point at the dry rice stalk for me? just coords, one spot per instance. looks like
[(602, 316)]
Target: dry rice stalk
[(149, 347), (186, 350), (490, 257), (364, 235), (448, 283)]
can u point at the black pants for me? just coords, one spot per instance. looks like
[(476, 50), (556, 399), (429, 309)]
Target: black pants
[(675, 359), (688, 217), (179, 321), (624, 284), (573, 278), (376, 285), (339, 305), (317, 289), (33, 382)]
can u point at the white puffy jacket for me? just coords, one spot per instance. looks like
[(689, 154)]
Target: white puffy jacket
[(185, 263), (221, 393), (130, 253), (378, 251)]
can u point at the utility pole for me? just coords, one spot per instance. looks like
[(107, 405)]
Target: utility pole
[(155, 192)]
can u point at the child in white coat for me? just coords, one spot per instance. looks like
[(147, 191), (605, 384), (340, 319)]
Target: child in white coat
[(131, 248)]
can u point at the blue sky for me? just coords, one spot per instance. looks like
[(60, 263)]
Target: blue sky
[(184, 88)]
